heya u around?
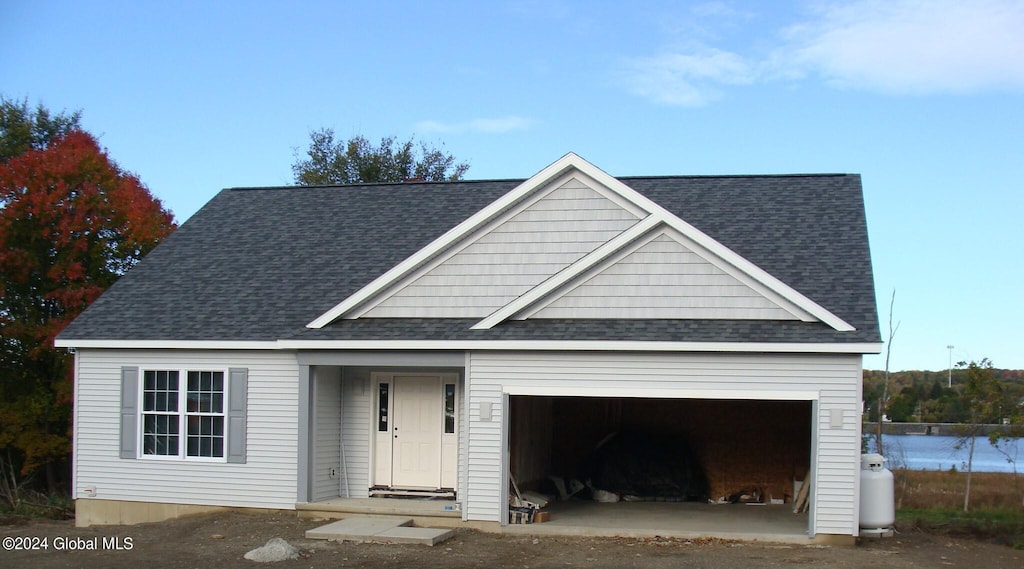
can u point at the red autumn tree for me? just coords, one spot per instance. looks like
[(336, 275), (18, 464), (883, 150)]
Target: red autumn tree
[(71, 222)]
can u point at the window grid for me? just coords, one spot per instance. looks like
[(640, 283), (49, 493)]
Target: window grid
[(205, 414), (160, 421), (193, 411)]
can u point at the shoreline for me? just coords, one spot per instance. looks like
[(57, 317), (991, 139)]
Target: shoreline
[(927, 429)]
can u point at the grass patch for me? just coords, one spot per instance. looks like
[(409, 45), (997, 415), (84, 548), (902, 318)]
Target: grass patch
[(38, 505), (1005, 527), (944, 489), (933, 501)]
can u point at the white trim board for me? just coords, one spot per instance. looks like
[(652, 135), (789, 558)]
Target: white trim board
[(577, 391), (584, 345), (495, 345), (168, 344)]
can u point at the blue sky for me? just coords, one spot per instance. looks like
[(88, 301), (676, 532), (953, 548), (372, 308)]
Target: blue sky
[(922, 98)]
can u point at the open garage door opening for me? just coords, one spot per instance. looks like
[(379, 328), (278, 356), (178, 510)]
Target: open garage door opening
[(660, 450)]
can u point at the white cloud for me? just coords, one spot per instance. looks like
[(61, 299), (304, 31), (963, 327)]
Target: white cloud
[(479, 125), (890, 46), (912, 46), (689, 80)]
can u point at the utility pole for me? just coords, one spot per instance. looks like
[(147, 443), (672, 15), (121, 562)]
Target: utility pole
[(950, 348)]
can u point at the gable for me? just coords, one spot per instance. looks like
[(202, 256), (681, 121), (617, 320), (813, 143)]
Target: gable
[(553, 248), (661, 278), (512, 254)]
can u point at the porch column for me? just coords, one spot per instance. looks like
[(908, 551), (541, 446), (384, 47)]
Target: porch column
[(305, 450)]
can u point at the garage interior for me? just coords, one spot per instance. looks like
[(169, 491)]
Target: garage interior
[(749, 451)]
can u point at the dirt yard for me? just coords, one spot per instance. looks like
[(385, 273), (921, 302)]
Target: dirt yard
[(221, 541)]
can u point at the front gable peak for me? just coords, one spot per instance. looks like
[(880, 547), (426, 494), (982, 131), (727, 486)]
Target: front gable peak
[(538, 228), (575, 242)]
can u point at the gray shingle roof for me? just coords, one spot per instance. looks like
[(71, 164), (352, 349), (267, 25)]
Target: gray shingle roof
[(259, 264)]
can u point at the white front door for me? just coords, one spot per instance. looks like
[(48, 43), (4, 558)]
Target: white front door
[(416, 430)]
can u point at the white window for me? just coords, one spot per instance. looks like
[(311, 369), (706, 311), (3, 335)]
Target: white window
[(183, 419)]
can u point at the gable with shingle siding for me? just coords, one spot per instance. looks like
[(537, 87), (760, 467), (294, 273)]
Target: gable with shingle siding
[(512, 257), (663, 279)]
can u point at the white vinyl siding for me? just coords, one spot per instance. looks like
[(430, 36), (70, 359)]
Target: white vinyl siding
[(327, 440), (513, 257), (831, 379), (663, 279), (481, 497), (268, 477), (355, 432)]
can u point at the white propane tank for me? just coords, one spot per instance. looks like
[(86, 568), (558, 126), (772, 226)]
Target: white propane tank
[(877, 497)]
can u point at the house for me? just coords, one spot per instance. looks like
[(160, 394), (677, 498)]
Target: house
[(288, 346)]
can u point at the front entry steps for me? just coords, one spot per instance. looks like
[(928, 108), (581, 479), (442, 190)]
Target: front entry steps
[(389, 492), (379, 530)]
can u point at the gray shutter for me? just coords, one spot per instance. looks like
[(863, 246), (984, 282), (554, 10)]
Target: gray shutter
[(129, 412), (238, 394)]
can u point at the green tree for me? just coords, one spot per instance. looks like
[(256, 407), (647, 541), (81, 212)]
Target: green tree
[(357, 160), (23, 129), (903, 406), (985, 400), (71, 222)]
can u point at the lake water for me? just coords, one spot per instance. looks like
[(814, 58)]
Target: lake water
[(923, 452)]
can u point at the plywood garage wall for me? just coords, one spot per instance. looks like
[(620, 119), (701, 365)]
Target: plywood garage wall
[(531, 424), (740, 444)]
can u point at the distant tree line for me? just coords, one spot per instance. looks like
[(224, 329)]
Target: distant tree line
[(925, 396)]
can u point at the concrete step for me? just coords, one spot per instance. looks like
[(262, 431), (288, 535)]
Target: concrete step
[(418, 509), (379, 530), (416, 536)]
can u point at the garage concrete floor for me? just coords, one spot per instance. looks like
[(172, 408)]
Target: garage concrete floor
[(775, 523), (688, 520)]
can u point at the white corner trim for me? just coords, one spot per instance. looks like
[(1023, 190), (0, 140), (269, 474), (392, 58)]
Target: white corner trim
[(456, 233), (572, 271)]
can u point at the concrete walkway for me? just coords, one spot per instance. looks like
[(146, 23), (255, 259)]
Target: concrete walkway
[(391, 529)]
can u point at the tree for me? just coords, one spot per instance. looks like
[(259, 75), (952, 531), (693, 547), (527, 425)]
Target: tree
[(71, 223), (883, 401), (22, 129), (986, 402), (358, 161)]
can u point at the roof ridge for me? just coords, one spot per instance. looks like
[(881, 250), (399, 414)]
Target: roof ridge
[(514, 180), (379, 184)]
